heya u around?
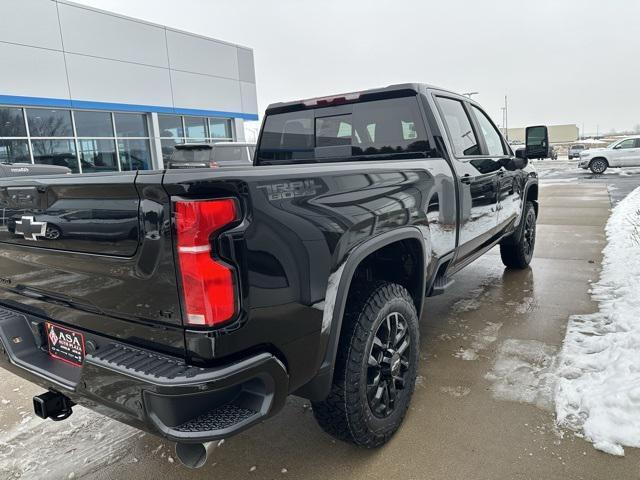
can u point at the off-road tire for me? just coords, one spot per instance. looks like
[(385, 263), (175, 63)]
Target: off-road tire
[(598, 165), (346, 413), (517, 251)]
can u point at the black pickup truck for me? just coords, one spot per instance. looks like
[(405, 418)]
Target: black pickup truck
[(228, 290)]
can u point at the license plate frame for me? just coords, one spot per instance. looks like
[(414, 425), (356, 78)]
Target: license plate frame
[(65, 344)]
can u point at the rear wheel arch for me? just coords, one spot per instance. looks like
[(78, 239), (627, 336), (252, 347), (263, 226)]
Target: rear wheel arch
[(401, 261), (407, 239)]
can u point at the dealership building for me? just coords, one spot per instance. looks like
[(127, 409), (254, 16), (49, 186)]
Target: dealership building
[(557, 133), (96, 91)]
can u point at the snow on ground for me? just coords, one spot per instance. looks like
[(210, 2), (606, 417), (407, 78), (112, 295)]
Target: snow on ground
[(481, 341), (625, 172), (86, 442), (598, 388), (524, 372)]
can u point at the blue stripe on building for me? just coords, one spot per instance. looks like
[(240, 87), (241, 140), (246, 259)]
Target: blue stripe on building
[(126, 107)]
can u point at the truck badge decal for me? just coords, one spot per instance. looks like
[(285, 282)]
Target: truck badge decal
[(285, 190), (31, 229)]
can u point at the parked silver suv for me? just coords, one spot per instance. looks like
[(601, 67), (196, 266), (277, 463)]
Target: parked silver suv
[(575, 150)]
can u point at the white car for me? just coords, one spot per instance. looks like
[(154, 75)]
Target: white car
[(621, 153)]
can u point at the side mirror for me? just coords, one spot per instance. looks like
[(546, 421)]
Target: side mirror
[(537, 142), (517, 163)]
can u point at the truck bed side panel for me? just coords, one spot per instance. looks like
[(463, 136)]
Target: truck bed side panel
[(302, 222)]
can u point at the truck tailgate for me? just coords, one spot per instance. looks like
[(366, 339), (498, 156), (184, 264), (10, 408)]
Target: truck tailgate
[(92, 252)]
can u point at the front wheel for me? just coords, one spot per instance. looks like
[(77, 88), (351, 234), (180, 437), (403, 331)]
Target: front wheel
[(599, 165), (376, 367), (517, 251), (52, 232)]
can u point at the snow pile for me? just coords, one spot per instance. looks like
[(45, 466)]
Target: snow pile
[(598, 389)]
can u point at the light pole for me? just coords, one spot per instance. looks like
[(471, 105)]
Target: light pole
[(469, 94), (505, 119)]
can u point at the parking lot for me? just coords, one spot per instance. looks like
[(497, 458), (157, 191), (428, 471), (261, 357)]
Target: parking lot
[(482, 408), (619, 181)]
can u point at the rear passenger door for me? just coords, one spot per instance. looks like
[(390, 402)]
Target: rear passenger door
[(631, 157), (510, 181), (477, 177), (634, 160)]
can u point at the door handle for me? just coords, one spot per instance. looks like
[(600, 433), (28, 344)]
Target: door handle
[(466, 179)]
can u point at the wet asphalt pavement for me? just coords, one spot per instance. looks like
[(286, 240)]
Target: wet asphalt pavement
[(483, 404)]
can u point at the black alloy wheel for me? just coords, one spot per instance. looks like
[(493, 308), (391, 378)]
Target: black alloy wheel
[(388, 364), (516, 251), (529, 235)]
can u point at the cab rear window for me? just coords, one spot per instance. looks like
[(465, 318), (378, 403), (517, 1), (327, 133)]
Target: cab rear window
[(389, 128)]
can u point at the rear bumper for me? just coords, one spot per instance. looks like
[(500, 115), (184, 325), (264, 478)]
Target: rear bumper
[(153, 392)]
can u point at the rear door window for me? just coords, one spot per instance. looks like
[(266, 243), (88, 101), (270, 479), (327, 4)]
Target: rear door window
[(288, 136), (389, 128), (463, 138)]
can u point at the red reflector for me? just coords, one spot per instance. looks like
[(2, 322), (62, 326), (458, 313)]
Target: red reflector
[(207, 285)]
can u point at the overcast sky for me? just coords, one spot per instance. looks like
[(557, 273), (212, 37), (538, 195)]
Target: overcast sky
[(558, 61)]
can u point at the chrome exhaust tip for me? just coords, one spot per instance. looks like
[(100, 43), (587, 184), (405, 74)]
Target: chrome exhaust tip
[(194, 455)]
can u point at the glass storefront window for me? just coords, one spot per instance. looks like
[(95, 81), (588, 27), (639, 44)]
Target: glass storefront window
[(44, 122), (14, 151), (168, 146), (93, 141), (134, 154), (170, 126), (220, 128), (187, 129), (93, 124), (98, 155), (131, 125), (195, 128), (12, 122), (56, 152)]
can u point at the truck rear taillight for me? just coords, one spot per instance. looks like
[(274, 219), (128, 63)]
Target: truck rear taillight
[(208, 287)]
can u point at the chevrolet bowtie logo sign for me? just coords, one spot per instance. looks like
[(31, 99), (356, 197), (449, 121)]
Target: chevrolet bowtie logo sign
[(31, 229)]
